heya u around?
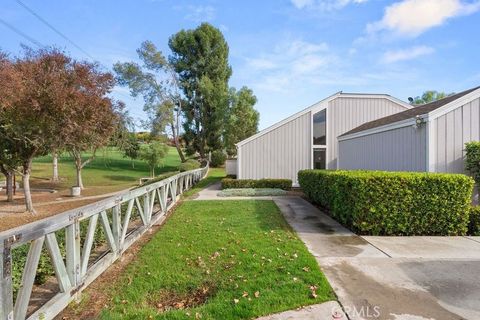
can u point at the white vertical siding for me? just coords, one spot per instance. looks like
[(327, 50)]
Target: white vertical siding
[(401, 149), (452, 131), (344, 114), (280, 153)]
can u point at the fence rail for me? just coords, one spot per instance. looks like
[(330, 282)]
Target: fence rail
[(77, 266)]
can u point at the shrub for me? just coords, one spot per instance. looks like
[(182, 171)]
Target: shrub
[(218, 158), (158, 178), (472, 159), (190, 164), (392, 203), (248, 192), (284, 184), (474, 225)]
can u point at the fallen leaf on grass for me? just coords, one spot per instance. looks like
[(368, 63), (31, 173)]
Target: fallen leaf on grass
[(313, 291), (236, 301), (245, 294), (306, 269), (257, 294)]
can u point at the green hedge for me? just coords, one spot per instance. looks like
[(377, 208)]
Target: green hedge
[(392, 203), (190, 164), (284, 184), (218, 159), (472, 159), (474, 225)]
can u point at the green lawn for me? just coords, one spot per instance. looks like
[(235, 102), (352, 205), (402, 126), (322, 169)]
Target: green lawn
[(219, 260), (109, 168)]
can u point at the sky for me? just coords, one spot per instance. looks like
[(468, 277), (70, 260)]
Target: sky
[(291, 53)]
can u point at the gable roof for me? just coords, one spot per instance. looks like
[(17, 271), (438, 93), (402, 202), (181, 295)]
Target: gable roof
[(410, 113), (319, 103)]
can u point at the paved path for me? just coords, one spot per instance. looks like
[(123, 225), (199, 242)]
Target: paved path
[(398, 278), (391, 277)]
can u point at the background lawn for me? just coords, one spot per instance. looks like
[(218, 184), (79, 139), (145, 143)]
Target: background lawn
[(109, 169), (219, 260)]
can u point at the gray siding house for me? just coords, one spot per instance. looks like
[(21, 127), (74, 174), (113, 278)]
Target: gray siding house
[(308, 139), (429, 137)]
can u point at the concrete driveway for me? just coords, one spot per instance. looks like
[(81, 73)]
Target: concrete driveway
[(391, 277)]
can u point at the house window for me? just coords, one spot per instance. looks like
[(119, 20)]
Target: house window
[(320, 128), (319, 158)]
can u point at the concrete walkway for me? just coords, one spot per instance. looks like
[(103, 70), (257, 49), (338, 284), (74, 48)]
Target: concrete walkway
[(398, 278), (391, 277)]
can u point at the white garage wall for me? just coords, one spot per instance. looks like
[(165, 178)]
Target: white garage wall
[(451, 132), (401, 149), (345, 113), (279, 153)]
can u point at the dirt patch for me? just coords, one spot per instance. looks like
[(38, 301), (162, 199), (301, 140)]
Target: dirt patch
[(167, 300)]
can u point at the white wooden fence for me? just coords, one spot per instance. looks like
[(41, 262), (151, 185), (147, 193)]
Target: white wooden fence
[(78, 267)]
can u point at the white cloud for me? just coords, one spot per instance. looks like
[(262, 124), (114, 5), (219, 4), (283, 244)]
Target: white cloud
[(413, 17), (324, 5), (406, 54), (199, 13), (288, 63)]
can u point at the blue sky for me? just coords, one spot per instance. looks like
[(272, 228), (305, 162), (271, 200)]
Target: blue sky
[(292, 53)]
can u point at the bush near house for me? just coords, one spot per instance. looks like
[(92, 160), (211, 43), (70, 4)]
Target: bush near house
[(474, 225), (392, 203), (284, 184), (472, 159), (218, 159)]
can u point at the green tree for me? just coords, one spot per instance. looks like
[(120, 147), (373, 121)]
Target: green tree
[(131, 148), (39, 115), (200, 57), (153, 154), (156, 81), (241, 118), (428, 96)]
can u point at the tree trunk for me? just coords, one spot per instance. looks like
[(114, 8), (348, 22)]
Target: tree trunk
[(180, 151), (55, 167), (78, 166), (177, 143), (79, 178), (9, 186), (9, 182), (27, 168), (152, 172)]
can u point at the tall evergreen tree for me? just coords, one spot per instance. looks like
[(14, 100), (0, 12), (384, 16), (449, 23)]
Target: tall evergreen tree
[(200, 57), (241, 118)]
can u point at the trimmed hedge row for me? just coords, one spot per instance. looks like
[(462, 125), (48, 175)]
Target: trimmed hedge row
[(474, 225), (285, 184), (392, 203)]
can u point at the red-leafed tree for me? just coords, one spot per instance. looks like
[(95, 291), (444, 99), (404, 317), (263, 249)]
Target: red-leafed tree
[(94, 119), (50, 107)]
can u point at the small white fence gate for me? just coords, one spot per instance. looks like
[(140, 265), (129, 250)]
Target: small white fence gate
[(78, 266)]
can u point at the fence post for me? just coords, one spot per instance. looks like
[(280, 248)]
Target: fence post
[(6, 289), (146, 207), (72, 242), (116, 225)]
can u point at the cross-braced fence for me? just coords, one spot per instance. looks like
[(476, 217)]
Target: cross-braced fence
[(70, 243)]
